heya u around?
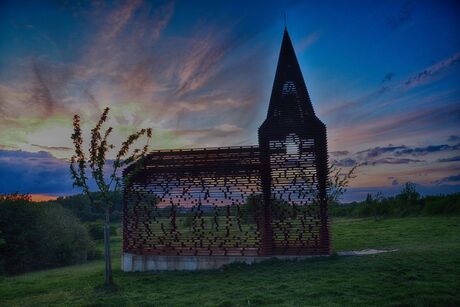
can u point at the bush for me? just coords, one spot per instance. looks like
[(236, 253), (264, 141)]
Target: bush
[(96, 230), (2, 244), (446, 204), (38, 236)]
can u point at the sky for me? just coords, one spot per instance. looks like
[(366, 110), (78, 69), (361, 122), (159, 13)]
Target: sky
[(382, 75)]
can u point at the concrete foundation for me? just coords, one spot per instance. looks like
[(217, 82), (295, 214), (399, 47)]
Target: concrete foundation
[(143, 263)]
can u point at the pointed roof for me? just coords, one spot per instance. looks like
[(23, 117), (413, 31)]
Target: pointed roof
[(289, 100)]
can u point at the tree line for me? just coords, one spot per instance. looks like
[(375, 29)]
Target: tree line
[(408, 202)]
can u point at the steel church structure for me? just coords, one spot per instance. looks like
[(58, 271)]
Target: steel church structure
[(204, 207)]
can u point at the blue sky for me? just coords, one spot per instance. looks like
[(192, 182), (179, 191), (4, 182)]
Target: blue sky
[(382, 75)]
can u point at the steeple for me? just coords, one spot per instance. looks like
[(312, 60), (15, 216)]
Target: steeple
[(289, 102)]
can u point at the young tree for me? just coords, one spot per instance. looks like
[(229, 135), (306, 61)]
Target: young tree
[(106, 181), (337, 182)]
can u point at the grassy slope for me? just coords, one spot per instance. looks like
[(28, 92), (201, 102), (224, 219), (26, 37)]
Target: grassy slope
[(425, 271)]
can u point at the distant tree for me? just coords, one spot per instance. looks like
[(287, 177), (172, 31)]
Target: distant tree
[(106, 181), (81, 207), (409, 193)]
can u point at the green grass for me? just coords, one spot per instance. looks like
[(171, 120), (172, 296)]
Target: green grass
[(424, 271)]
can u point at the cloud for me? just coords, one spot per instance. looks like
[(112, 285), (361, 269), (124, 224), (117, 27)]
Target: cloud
[(307, 41), (449, 179), (431, 72), (451, 159), (394, 181), (401, 125), (39, 172), (378, 151), (391, 160), (173, 82), (453, 138), (120, 17), (201, 64), (41, 94), (392, 154), (20, 154), (63, 148), (339, 153), (406, 150), (223, 130), (373, 106), (388, 77), (348, 162), (403, 16), (421, 151)]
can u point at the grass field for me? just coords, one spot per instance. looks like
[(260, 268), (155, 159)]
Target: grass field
[(425, 271)]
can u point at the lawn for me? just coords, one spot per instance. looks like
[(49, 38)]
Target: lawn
[(424, 271)]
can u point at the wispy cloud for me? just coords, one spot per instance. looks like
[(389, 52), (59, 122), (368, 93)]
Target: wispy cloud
[(214, 136), (451, 159), (388, 77), (339, 153), (391, 160), (448, 179), (307, 41), (51, 147), (378, 151), (407, 150), (200, 64), (430, 73), (391, 93), (119, 18), (453, 138), (347, 162), (403, 16), (394, 181)]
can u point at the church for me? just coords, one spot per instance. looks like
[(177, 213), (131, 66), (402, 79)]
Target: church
[(201, 208)]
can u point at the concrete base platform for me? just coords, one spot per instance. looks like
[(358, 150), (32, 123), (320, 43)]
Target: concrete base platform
[(143, 263)]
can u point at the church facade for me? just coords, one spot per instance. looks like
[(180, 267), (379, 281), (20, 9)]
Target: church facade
[(205, 207)]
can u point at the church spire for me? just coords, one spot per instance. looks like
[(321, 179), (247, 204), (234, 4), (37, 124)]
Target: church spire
[(289, 100)]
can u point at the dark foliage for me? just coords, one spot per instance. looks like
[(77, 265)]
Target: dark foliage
[(96, 229), (81, 206), (37, 236), (407, 203)]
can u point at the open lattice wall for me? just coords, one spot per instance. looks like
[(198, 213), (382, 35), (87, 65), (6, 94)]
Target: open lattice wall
[(210, 202)]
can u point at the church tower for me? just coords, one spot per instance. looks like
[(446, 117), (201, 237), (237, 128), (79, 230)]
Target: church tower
[(293, 147)]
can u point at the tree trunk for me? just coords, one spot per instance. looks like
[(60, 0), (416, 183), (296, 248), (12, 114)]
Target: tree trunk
[(107, 256)]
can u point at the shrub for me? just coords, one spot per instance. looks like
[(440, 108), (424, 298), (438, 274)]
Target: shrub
[(445, 204), (96, 230), (38, 236)]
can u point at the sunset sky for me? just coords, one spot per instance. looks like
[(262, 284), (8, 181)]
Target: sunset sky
[(383, 76)]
